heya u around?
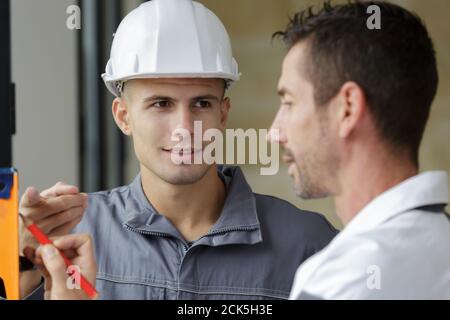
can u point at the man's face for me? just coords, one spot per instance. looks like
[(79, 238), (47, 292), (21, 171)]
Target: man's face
[(304, 129), (159, 107)]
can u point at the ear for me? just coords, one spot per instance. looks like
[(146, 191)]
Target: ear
[(352, 108), (121, 115), (224, 109)]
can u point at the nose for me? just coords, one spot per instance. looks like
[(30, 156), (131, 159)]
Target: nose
[(184, 119), (183, 125), (276, 132)]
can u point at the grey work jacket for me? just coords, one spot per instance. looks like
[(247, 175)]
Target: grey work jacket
[(252, 251)]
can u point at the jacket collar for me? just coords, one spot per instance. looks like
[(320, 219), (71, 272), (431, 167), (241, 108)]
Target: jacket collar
[(238, 222), (426, 189)]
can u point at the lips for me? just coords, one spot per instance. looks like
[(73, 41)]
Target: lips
[(287, 159), (182, 151), (287, 156)]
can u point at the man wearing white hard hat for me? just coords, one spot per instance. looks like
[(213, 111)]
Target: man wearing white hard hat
[(178, 231)]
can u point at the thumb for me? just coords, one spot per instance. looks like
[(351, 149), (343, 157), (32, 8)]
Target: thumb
[(31, 197), (54, 263)]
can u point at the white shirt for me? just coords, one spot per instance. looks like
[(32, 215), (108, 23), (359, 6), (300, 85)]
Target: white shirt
[(392, 249)]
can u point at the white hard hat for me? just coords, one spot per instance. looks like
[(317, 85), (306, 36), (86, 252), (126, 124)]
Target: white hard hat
[(170, 38)]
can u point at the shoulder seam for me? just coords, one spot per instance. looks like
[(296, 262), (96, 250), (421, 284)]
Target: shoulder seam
[(108, 193)]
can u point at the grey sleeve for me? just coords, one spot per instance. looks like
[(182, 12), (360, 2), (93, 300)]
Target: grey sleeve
[(38, 293)]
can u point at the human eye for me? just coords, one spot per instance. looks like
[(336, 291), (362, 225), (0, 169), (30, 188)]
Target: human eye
[(161, 104), (202, 104)]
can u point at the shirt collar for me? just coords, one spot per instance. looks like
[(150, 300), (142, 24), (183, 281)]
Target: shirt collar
[(429, 188), (238, 215)]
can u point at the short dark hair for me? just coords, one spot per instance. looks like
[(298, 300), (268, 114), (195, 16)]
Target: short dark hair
[(395, 66)]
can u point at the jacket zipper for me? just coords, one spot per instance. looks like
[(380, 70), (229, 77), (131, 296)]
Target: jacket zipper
[(230, 230), (161, 234), (185, 246), (158, 234)]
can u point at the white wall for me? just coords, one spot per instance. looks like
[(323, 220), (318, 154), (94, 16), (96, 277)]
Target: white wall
[(44, 57)]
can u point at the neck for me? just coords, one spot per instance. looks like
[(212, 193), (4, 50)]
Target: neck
[(365, 178), (193, 209)]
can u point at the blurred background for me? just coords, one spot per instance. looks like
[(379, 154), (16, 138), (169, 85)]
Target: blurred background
[(65, 131)]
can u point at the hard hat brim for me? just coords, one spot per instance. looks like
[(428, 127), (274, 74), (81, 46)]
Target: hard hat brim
[(111, 81)]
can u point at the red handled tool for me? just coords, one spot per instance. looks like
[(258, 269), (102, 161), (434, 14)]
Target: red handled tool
[(41, 237)]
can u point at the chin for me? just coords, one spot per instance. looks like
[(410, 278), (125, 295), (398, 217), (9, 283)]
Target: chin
[(184, 174), (310, 193), (300, 193)]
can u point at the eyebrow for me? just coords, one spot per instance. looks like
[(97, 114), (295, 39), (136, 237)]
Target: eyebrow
[(206, 97), (159, 97)]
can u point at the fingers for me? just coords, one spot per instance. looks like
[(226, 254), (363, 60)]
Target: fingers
[(58, 189), (56, 211), (81, 243), (31, 197), (55, 265), (65, 228), (52, 206), (84, 247), (37, 260), (51, 223), (79, 249), (73, 245), (26, 239), (29, 253)]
